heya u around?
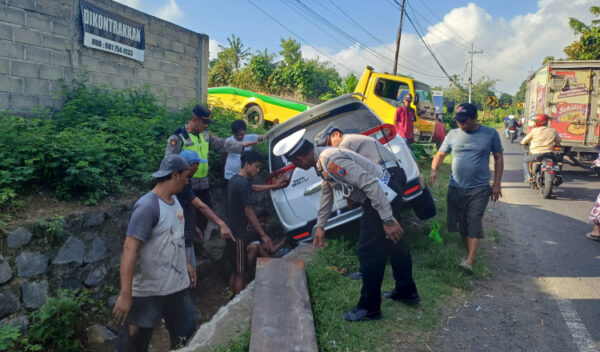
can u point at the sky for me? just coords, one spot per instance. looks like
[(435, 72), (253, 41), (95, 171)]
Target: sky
[(513, 35)]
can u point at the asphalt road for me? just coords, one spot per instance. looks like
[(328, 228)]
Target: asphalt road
[(544, 292), (567, 264)]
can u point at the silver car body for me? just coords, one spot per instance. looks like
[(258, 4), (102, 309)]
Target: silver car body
[(298, 203)]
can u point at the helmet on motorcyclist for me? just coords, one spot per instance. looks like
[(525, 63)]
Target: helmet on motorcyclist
[(511, 117), (540, 120)]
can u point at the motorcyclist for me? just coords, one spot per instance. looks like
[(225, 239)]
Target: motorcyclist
[(541, 140), (508, 123)]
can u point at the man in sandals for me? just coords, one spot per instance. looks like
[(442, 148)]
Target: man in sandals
[(469, 190)]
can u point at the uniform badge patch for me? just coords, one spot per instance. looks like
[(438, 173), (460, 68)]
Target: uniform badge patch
[(336, 169), (173, 142), (180, 215), (325, 174)]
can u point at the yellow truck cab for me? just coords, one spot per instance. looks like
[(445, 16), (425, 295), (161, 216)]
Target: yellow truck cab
[(383, 94)]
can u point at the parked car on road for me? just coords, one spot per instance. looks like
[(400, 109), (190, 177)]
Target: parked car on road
[(297, 203)]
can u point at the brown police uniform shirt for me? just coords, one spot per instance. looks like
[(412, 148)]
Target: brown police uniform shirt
[(352, 174), (368, 147)]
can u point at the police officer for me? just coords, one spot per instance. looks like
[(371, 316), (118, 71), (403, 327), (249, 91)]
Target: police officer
[(380, 236), (332, 136), (194, 136)]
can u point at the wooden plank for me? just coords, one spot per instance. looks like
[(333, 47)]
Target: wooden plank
[(282, 317)]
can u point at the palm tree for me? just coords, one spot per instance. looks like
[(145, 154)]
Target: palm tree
[(236, 51)]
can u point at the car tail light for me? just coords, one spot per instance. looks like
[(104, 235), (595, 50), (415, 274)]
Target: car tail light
[(550, 163), (387, 130), (412, 190), (301, 235), (512, 128), (556, 148), (287, 171)]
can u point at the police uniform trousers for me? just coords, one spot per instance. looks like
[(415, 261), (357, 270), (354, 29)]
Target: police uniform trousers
[(374, 250)]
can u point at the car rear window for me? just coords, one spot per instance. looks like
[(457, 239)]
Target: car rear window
[(351, 118)]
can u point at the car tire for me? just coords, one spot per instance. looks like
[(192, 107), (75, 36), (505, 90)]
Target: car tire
[(424, 206), (253, 115)]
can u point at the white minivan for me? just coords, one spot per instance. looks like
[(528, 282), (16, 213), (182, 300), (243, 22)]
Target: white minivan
[(297, 203)]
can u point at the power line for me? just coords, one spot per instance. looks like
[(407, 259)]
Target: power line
[(298, 36)]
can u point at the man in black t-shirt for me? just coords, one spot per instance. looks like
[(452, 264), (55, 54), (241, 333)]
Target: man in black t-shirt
[(240, 199)]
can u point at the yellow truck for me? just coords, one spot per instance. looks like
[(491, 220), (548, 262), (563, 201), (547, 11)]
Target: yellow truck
[(383, 94), (256, 107)]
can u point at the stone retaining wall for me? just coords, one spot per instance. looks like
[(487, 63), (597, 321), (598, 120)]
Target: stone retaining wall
[(41, 43)]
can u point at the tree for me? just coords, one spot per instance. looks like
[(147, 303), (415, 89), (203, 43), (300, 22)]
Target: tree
[(588, 45), (236, 51), (221, 70), (520, 97), (290, 50), (547, 59), (505, 99), (345, 86)]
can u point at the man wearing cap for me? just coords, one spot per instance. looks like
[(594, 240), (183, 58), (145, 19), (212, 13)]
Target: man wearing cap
[(358, 179), (189, 201), (404, 120), (469, 189), (155, 273), (194, 136)]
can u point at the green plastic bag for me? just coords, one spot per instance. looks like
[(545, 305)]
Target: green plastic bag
[(434, 234)]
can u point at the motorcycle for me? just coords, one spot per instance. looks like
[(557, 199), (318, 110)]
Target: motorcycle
[(512, 133), (546, 172)]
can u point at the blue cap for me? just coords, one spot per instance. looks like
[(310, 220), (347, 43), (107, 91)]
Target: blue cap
[(192, 157)]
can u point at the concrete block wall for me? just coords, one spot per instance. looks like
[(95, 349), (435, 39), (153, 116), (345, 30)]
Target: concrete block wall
[(41, 44)]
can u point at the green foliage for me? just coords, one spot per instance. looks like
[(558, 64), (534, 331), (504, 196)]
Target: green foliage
[(11, 339), (235, 51), (97, 144), (290, 50), (59, 324), (481, 89), (520, 96), (588, 45), (345, 86)]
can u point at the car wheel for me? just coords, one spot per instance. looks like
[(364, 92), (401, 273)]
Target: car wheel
[(423, 205), (254, 116)]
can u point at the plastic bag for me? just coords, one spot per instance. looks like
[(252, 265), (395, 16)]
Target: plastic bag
[(434, 234)]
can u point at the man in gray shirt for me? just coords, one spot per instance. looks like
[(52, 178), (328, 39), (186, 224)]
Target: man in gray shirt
[(469, 188), (155, 273)]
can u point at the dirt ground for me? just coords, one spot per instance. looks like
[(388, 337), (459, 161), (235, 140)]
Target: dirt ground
[(506, 312)]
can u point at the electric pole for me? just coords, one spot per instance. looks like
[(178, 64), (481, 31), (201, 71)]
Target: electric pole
[(398, 39), (471, 73)]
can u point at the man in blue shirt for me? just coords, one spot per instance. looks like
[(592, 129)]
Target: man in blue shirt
[(469, 188)]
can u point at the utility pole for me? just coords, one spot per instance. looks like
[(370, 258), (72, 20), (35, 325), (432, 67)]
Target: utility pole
[(398, 39), (471, 74)]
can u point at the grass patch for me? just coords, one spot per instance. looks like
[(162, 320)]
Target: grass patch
[(435, 269)]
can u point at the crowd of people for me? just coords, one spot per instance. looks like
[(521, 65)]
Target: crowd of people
[(158, 261), (158, 265)]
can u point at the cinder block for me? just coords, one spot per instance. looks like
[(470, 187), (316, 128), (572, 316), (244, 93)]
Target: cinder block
[(61, 59), (37, 54), (171, 56), (50, 103), (191, 50), (38, 21), (27, 36), (11, 50), (23, 103), (156, 53), (51, 72), (88, 63), (54, 42), (4, 66), (23, 4), (11, 84), (6, 32), (49, 8), (119, 82), (100, 79), (24, 69), (150, 40), (56, 87), (4, 100), (171, 79), (107, 68), (166, 67), (126, 71), (62, 28), (152, 64), (12, 15), (178, 47), (34, 86), (144, 75), (157, 77), (165, 43)]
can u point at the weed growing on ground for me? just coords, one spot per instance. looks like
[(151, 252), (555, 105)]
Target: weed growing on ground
[(240, 344), (11, 340), (59, 324)]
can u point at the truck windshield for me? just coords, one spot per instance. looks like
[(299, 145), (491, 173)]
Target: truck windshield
[(352, 118), (424, 92)]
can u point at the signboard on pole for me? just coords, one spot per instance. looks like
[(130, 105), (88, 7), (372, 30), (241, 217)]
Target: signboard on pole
[(107, 31), (438, 100)]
